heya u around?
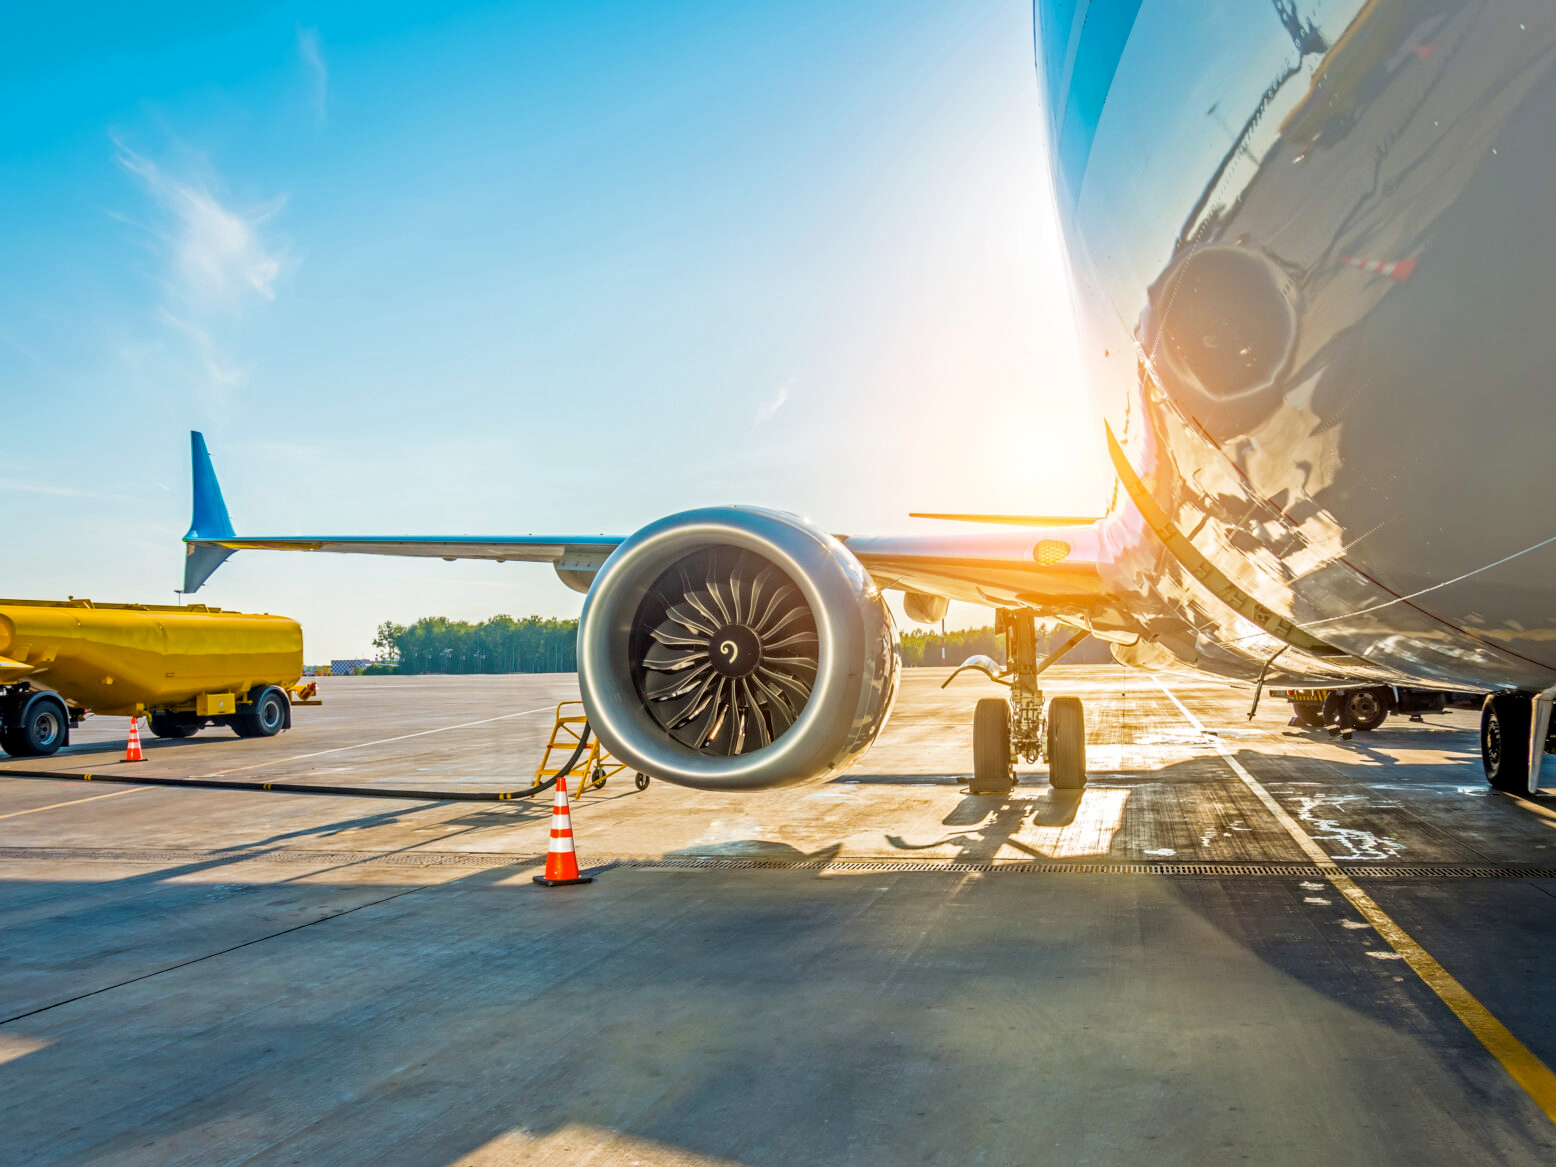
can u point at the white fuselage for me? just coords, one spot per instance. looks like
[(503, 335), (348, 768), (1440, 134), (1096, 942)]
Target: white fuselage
[(1313, 259)]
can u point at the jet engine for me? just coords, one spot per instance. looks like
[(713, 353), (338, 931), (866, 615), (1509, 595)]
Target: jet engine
[(736, 648)]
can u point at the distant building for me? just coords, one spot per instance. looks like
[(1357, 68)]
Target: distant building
[(349, 667)]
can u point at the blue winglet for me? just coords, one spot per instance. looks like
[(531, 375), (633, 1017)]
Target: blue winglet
[(210, 521)]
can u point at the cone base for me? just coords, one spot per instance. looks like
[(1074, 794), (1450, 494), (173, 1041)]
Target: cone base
[(544, 882)]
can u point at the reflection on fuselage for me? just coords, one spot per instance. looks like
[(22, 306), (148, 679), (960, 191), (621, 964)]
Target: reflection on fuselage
[(1313, 253)]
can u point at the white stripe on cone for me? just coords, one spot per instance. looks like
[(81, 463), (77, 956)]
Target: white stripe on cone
[(561, 859), (1398, 270), (132, 750)]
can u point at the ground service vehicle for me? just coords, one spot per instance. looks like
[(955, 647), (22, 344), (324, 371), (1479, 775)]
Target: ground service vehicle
[(1365, 708), (181, 667)]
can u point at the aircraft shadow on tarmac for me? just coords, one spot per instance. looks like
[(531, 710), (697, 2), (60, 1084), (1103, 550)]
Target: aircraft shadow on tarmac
[(1391, 745)]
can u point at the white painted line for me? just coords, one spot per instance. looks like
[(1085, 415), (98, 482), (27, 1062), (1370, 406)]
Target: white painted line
[(1182, 708), (72, 802), (379, 742)]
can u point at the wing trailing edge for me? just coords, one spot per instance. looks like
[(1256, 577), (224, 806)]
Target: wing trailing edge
[(211, 539), (1010, 520)]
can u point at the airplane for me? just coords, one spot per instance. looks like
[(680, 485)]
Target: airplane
[(1312, 265)]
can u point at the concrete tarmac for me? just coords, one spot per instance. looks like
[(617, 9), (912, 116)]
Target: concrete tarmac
[(879, 969)]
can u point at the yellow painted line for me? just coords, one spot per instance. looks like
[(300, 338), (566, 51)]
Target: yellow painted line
[(377, 742), (1516, 1058), (72, 802)]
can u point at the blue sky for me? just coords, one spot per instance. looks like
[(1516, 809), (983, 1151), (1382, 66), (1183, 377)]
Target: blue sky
[(508, 268)]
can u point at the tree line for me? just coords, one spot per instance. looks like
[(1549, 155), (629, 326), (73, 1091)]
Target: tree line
[(537, 644), (922, 647), (436, 644)]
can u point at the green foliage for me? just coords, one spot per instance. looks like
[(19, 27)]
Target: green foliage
[(387, 637), (436, 644), (922, 646)]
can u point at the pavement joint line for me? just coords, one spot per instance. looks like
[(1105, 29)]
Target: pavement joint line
[(156, 972), (1516, 1058), (56, 805), (380, 742)]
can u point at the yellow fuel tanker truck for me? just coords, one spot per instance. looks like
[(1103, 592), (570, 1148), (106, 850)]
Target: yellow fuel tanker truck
[(182, 668)]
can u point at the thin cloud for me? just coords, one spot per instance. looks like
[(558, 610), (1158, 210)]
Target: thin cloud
[(11, 341), (21, 486), (313, 60), (216, 251), (219, 258), (769, 409), (221, 373)]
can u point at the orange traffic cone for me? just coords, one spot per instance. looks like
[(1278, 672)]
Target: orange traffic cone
[(1398, 270), (132, 752), (561, 859)]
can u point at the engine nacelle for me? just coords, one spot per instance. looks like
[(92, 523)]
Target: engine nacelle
[(736, 648)]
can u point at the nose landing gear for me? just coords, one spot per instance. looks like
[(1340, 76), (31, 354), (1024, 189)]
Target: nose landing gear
[(1007, 731)]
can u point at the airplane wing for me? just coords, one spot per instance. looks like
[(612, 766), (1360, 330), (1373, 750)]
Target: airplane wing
[(211, 539), (1049, 567), (1052, 569)]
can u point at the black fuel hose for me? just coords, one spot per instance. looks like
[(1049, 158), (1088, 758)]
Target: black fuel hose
[(309, 788)]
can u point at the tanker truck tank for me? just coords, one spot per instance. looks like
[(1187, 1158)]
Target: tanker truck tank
[(182, 667)]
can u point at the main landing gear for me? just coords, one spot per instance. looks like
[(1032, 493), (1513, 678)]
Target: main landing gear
[(1515, 736), (1005, 731)]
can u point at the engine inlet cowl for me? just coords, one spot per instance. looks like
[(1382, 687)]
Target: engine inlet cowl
[(736, 648)]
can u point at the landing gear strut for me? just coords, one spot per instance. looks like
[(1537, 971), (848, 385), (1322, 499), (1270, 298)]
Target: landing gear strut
[(1515, 735), (1007, 731)]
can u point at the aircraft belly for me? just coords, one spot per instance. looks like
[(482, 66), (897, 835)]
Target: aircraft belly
[(1325, 344)]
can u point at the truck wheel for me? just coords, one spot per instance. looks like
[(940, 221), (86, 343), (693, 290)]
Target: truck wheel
[(1369, 708), (266, 718), (170, 725), (1309, 713), (40, 729)]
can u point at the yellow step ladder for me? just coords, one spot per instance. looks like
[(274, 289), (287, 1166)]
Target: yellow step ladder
[(594, 767)]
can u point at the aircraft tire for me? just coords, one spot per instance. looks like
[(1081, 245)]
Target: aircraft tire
[(1066, 743), (1504, 741), (992, 769)]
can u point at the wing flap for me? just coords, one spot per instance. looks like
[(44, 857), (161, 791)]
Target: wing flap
[(580, 551), (1054, 569)]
